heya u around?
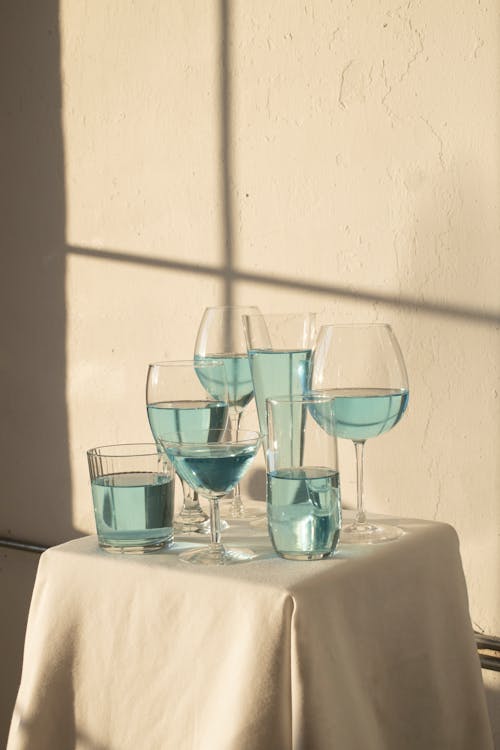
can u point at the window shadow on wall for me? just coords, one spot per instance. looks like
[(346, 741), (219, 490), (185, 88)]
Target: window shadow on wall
[(36, 473), (36, 488), (228, 272)]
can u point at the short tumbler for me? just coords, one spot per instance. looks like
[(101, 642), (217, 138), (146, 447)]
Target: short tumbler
[(133, 495), (303, 491)]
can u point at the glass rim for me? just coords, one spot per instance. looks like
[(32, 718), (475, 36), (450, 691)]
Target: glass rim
[(202, 362), (172, 440), (355, 325), (235, 307), (153, 449), (284, 314)]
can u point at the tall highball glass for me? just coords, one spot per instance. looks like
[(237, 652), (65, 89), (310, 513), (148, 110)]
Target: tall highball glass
[(280, 351), (302, 489)]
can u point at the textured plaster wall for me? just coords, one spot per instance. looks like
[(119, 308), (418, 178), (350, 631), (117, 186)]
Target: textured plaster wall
[(352, 147), (335, 156)]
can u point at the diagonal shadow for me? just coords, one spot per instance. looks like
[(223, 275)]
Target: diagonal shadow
[(225, 130), (36, 479), (231, 274)]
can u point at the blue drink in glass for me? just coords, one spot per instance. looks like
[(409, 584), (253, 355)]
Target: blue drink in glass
[(302, 490), (278, 373), (133, 496), (363, 368), (238, 378), (303, 509), (213, 469), (133, 510), (362, 413), (185, 419)]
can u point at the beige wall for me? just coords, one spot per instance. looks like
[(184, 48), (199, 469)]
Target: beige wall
[(164, 156)]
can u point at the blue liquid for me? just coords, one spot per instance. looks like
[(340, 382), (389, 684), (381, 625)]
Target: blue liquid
[(278, 373), (363, 413), (133, 509), (238, 376), (187, 420), (303, 509), (216, 468)]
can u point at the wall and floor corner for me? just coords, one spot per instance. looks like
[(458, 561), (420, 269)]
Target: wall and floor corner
[(34, 450), (157, 158)]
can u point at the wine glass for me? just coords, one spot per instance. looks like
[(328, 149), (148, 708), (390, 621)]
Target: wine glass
[(221, 336), (177, 401), (213, 467), (363, 368)]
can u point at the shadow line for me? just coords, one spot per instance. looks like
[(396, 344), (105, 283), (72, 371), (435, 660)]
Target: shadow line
[(32, 284), (230, 275), (225, 153)]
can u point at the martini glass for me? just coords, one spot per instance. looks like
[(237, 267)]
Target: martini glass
[(212, 468), (178, 402), (363, 368), (221, 337)]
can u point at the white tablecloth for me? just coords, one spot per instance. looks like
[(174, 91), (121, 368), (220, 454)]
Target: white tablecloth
[(371, 650)]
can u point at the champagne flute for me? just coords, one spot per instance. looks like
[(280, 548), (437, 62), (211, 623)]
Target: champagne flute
[(177, 401), (212, 467), (221, 336), (363, 368)]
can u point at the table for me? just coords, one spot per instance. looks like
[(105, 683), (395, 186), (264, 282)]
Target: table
[(370, 650)]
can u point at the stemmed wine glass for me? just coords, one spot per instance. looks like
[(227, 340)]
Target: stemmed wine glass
[(213, 467), (178, 402), (221, 336), (363, 368)]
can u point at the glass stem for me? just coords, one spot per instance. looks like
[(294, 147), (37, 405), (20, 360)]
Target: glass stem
[(237, 510), (360, 513), (215, 532)]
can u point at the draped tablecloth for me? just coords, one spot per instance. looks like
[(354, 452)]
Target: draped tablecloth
[(370, 650)]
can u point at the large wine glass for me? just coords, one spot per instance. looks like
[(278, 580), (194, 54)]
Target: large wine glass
[(221, 336), (363, 368), (178, 402), (213, 467)]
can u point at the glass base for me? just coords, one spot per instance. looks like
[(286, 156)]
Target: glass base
[(217, 555), (192, 522), (305, 555), (369, 533), (135, 549)]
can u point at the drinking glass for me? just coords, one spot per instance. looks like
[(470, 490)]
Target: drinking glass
[(279, 350), (302, 487), (178, 401), (221, 336), (363, 368), (133, 496), (213, 467)]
